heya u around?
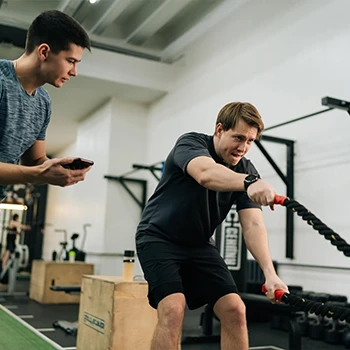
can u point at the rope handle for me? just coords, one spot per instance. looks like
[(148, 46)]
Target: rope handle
[(278, 292), (280, 199)]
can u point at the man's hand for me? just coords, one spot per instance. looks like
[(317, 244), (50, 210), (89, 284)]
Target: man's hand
[(52, 172), (262, 193), (272, 283)]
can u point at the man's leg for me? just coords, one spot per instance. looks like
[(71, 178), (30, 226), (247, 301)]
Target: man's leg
[(171, 311), (230, 309), (5, 258)]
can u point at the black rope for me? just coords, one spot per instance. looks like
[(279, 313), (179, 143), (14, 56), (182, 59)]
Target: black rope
[(331, 311), (318, 225)]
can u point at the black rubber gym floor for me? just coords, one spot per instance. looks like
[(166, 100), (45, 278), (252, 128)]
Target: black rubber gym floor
[(42, 316)]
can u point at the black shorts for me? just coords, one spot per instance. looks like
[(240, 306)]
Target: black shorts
[(199, 273), (11, 242)]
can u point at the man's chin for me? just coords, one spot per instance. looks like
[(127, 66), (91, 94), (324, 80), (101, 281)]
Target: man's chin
[(57, 84), (234, 161)]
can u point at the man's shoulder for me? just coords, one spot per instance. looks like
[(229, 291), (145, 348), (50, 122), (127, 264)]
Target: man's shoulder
[(4, 64), (245, 166), (5, 68), (193, 137)]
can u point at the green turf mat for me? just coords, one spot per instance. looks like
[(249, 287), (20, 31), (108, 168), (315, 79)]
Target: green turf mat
[(15, 336)]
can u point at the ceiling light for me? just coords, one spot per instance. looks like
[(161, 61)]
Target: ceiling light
[(93, 1), (9, 206)]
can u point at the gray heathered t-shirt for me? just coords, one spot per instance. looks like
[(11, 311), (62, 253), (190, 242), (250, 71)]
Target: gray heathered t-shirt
[(23, 118)]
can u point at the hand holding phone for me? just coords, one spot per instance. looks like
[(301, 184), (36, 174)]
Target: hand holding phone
[(79, 163)]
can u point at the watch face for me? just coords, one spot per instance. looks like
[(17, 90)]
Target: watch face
[(251, 178)]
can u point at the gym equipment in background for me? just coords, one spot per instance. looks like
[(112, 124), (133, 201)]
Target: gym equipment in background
[(80, 253), (18, 260), (69, 327), (63, 254)]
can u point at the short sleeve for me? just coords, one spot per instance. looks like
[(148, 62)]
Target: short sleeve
[(188, 147)]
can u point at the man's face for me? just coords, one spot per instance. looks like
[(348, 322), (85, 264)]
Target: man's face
[(60, 67), (233, 144)]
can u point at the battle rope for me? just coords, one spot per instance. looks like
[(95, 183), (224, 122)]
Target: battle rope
[(316, 223), (331, 311)]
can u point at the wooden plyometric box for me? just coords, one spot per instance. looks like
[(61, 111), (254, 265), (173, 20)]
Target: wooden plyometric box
[(59, 273), (115, 315)]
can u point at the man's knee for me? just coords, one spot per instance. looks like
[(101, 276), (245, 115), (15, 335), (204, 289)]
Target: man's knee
[(171, 310), (230, 309)]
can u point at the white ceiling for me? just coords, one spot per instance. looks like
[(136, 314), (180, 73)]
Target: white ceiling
[(157, 30)]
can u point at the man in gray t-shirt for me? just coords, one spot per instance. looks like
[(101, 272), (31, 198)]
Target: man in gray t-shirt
[(55, 44)]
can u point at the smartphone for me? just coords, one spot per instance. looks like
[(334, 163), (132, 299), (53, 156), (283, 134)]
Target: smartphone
[(78, 163)]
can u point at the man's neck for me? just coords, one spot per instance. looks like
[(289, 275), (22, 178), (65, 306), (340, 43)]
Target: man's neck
[(27, 73)]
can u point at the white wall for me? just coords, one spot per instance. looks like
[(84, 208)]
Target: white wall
[(114, 137), (71, 207), (283, 57), (127, 146)]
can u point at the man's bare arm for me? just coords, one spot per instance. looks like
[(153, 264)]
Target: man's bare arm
[(217, 177)]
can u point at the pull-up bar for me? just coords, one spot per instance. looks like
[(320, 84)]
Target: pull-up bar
[(331, 102)]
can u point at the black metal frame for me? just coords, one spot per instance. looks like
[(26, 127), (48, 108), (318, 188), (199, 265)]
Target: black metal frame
[(123, 179), (288, 179)]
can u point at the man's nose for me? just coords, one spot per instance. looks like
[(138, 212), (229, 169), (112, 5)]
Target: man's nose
[(242, 146), (74, 71)]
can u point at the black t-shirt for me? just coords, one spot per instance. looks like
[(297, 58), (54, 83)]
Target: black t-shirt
[(181, 210)]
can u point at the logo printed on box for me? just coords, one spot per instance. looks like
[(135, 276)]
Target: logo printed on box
[(94, 322)]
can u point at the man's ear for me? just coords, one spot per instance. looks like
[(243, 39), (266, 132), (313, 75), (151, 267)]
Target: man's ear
[(43, 51), (218, 129)]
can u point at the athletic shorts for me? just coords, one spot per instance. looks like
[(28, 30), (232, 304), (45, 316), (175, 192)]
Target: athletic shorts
[(199, 273), (11, 246)]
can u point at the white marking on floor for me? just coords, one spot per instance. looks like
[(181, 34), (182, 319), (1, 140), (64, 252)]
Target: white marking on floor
[(270, 347), (70, 348), (11, 307), (25, 316), (46, 329)]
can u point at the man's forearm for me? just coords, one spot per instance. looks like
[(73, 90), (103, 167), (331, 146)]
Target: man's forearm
[(11, 174), (222, 179), (257, 243), (34, 162)]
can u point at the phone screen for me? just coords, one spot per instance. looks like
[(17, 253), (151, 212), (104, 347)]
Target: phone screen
[(79, 163)]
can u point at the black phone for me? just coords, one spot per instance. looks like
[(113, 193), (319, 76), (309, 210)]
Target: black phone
[(78, 163)]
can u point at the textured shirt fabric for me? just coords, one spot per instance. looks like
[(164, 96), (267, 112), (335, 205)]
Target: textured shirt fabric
[(181, 210), (23, 118)]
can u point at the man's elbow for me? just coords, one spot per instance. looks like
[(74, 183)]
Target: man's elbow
[(203, 178)]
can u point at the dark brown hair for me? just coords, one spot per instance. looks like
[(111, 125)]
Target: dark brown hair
[(58, 30), (233, 112)]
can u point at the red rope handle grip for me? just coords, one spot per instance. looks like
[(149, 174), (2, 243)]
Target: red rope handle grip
[(278, 292), (280, 199)]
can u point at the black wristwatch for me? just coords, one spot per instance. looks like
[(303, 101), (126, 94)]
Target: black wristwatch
[(250, 179)]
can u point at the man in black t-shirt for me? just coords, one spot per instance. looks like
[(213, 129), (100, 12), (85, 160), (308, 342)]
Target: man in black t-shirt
[(203, 177)]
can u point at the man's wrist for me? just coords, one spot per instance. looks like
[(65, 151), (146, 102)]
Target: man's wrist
[(30, 174), (249, 180)]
